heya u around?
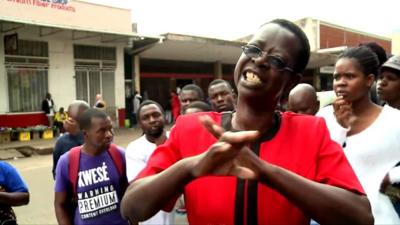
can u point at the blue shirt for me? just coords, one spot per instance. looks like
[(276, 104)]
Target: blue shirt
[(63, 145), (10, 179)]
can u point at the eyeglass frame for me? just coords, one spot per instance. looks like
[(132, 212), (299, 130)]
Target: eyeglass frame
[(261, 53)]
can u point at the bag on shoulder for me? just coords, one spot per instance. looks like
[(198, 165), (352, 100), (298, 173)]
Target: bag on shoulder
[(73, 169)]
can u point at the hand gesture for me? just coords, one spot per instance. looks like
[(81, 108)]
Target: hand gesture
[(71, 126), (230, 156), (343, 112)]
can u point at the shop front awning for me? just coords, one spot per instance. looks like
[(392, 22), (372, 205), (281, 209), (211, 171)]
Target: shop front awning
[(196, 49), (200, 49), (13, 25), (318, 60)]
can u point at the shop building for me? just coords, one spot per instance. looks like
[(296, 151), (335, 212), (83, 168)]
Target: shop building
[(327, 38), (71, 49)]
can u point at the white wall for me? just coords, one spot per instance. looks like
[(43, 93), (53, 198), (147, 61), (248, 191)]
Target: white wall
[(311, 28), (61, 72), (120, 79), (3, 80), (396, 43)]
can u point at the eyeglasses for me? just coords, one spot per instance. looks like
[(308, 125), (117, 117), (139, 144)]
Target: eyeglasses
[(253, 51)]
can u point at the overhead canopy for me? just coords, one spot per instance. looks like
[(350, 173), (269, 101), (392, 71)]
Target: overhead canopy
[(43, 30), (199, 49), (321, 59)]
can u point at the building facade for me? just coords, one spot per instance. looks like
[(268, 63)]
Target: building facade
[(330, 39), (71, 49)]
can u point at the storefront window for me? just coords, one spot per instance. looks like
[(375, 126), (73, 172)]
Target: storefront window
[(27, 88), (95, 73), (27, 76)]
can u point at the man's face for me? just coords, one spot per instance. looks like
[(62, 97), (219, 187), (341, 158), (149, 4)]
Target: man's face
[(257, 80), (388, 87), (151, 120), (186, 97), (100, 134), (221, 97)]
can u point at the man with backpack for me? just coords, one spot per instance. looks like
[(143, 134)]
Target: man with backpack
[(91, 179)]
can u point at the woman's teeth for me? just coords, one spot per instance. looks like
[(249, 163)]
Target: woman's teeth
[(253, 78)]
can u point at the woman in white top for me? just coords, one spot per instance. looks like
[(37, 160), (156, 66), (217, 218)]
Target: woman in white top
[(368, 132)]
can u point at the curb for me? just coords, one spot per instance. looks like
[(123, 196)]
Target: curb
[(25, 151)]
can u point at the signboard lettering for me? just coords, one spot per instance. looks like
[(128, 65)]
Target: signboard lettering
[(51, 4)]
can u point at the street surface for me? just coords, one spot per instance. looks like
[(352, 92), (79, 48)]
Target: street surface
[(36, 172)]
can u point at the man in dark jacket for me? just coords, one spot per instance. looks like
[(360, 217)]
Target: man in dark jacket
[(48, 108), (73, 137)]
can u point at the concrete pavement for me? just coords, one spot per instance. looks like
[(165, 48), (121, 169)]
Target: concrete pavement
[(19, 149)]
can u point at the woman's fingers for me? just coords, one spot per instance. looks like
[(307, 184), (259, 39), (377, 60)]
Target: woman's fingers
[(240, 137), (243, 173), (211, 126)]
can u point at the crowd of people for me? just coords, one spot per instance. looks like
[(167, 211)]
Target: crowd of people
[(232, 156)]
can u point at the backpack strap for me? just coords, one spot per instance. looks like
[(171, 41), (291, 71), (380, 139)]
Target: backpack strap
[(118, 160), (74, 156)]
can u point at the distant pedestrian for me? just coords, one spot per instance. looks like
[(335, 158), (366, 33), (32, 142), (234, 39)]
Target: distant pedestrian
[(100, 103), (221, 96), (388, 89), (73, 136), (189, 94), (197, 106), (59, 118), (137, 99), (303, 99), (175, 106), (13, 192), (388, 85), (49, 109), (382, 58)]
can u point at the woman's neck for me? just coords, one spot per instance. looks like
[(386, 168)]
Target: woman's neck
[(362, 106), (250, 117), (395, 104)]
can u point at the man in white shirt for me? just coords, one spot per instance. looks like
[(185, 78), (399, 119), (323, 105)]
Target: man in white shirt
[(151, 119)]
